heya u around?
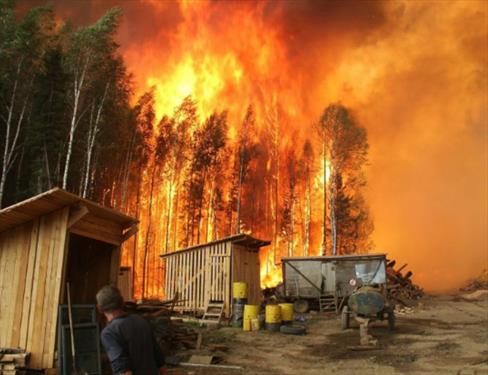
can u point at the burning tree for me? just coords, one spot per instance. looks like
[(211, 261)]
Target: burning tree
[(345, 143)]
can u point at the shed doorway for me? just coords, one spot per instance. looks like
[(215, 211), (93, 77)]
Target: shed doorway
[(88, 268)]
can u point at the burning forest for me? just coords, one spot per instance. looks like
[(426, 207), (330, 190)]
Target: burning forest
[(324, 128)]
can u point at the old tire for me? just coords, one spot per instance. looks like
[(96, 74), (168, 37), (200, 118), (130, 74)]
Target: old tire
[(391, 320), (301, 306), (293, 330), (345, 318)]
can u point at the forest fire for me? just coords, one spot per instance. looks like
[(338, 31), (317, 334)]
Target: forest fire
[(192, 166), (247, 59), (233, 127)]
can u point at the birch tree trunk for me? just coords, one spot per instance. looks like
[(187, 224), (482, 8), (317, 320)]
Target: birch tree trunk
[(324, 225), (10, 146), (148, 233), (169, 215), (239, 193), (77, 89), (333, 220), (308, 215), (93, 130)]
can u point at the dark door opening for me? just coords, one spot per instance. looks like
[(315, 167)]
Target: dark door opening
[(88, 268)]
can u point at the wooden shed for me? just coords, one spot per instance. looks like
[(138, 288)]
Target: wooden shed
[(46, 241), (203, 273)]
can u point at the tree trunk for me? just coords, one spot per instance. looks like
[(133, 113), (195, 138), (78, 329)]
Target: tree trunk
[(333, 220), (136, 236), (10, 146), (324, 225), (239, 192), (168, 216), (210, 210), (92, 136), (148, 232), (78, 87), (48, 172), (308, 214)]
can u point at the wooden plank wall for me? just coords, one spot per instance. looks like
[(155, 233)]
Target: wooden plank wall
[(245, 267), (32, 259), (198, 275), (124, 283)]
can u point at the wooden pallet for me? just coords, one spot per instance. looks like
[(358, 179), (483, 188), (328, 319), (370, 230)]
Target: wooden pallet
[(213, 314)]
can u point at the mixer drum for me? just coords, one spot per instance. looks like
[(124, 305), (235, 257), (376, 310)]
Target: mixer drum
[(366, 301)]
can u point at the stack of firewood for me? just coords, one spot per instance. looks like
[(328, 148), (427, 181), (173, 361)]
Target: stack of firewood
[(171, 334), (12, 360), (400, 285)]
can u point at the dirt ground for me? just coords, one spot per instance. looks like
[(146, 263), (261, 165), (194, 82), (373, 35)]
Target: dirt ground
[(443, 335)]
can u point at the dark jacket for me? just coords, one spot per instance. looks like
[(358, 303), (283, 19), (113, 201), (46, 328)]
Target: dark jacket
[(130, 346)]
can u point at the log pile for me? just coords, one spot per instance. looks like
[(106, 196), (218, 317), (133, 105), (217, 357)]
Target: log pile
[(400, 285), (481, 282), (173, 335), (12, 360)]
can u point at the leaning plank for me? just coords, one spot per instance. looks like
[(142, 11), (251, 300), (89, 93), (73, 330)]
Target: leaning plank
[(25, 240), (36, 317), (29, 284), (56, 282)]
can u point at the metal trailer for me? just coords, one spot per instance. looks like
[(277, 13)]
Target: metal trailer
[(329, 280)]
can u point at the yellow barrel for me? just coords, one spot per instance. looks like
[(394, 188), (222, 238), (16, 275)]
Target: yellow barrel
[(239, 290), (246, 325), (286, 312), (273, 314), (251, 312), (273, 318)]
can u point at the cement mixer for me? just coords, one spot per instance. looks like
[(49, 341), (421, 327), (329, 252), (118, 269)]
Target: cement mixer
[(368, 304)]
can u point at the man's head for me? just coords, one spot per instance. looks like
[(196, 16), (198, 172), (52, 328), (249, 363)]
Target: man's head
[(109, 299)]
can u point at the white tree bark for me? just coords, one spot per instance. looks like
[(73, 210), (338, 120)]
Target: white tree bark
[(77, 89), (93, 130), (308, 212), (239, 192), (333, 221), (10, 145)]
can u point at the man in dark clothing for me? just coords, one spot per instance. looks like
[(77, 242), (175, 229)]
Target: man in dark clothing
[(127, 339)]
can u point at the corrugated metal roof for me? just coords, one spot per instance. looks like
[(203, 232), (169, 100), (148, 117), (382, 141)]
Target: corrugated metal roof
[(53, 200), (336, 257), (239, 239)]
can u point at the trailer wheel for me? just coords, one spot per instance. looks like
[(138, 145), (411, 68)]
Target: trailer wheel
[(345, 318), (391, 320)]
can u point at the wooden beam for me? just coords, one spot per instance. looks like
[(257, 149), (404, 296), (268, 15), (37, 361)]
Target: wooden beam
[(129, 233), (76, 214)]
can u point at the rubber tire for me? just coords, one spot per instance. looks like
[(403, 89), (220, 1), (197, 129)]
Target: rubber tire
[(293, 330), (345, 318), (391, 320), (301, 306)]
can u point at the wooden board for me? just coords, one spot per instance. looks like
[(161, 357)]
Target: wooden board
[(31, 259)]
